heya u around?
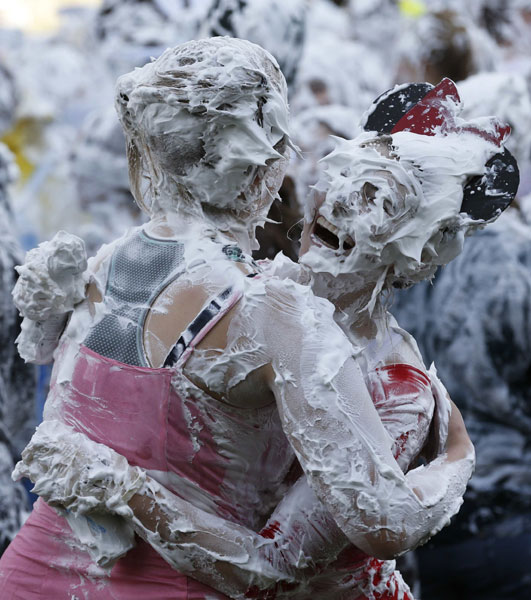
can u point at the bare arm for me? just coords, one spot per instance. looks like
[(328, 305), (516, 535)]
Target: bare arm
[(341, 444)]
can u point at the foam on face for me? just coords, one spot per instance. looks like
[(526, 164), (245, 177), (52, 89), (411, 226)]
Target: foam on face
[(203, 122), (398, 198)]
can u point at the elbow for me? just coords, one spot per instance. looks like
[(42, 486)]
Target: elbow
[(383, 543), (387, 550)]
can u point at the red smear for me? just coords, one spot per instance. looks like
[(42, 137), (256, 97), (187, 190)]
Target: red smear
[(375, 564), (401, 443), (431, 112), (392, 582), (498, 136), (404, 373), (271, 530), (400, 380)]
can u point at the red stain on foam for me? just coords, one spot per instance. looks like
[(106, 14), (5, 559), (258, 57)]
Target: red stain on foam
[(395, 588), (401, 443), (271, 530)]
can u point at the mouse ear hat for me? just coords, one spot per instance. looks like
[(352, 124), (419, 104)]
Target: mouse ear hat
[(425, 109)]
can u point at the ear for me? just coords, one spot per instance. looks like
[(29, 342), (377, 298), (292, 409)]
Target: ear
[(486, 196), (416, 107)]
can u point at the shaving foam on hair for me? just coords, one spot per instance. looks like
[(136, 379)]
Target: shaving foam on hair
[(203, 123)]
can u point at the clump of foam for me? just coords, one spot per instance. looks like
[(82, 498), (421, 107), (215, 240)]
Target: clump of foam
[(51, 280), (84, 478), (83, 482)]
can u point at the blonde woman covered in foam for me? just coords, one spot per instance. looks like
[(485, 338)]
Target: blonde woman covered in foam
[(187, 382)]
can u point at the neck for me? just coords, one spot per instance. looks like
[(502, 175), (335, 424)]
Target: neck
[(350, 295), (179, 223)]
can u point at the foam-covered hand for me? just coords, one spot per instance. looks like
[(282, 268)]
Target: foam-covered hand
[(52, 279), (71, 471)]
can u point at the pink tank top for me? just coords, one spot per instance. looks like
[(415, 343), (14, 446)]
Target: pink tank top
[(188, 441)]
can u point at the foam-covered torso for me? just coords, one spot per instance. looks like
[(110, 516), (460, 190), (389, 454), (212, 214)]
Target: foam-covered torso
[(223, 458)]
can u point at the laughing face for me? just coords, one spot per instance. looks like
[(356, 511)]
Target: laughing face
[(367, 200), (388, 207)]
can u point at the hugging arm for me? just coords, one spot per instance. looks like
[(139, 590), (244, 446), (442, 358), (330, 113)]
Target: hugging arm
[(340, 442), (338, 437), (87, 478)]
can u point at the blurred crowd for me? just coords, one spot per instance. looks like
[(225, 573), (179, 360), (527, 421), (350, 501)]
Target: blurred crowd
[(63, 166)]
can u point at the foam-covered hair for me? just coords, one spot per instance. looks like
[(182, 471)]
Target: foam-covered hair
[(201, 122)]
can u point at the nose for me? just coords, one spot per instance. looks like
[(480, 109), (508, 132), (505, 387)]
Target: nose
[(339, 209)]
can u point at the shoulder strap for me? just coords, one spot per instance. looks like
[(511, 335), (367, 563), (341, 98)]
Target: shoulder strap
[(209, 315)]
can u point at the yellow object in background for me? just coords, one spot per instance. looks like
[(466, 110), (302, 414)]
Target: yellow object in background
[(36, 15), (16, 140), (412, 8)]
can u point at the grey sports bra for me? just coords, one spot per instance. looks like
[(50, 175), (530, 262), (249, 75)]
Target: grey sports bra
[(140, 268)]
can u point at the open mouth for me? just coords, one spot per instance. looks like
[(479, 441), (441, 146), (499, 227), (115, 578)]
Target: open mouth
[(325, 234)]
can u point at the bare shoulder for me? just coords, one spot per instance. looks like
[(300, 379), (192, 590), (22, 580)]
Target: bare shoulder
[(182, 300), (97, 267)]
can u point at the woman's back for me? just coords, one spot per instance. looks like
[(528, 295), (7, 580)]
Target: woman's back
[(140, 385)]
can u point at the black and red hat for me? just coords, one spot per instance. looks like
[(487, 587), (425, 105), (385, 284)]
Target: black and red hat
[(425, 109)]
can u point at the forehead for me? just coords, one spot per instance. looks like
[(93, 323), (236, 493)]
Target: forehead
[(371, 159), (383, 144)]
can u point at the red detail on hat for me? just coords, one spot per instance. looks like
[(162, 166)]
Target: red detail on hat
[(431, 112), (497, 136)]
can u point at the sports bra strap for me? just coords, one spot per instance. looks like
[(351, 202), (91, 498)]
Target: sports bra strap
[(209, 315)]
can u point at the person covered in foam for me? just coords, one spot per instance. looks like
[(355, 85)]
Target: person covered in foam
[(187, 382), (399, 203), (391, 206), (17, 380)]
